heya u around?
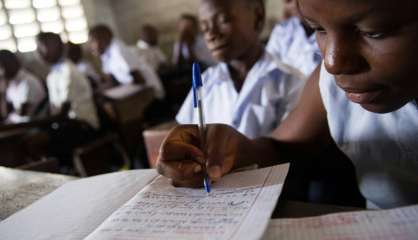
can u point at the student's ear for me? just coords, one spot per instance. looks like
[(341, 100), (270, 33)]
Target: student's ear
[(260, 16)]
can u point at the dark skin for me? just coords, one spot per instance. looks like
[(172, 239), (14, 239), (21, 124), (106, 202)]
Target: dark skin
[(367, 44), (99, 44), (225, 24)]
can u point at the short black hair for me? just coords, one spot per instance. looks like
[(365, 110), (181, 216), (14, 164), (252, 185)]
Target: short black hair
[(10, 62), (101, 31), (48, 38)]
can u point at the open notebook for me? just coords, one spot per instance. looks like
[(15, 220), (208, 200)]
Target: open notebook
[(143, 205)]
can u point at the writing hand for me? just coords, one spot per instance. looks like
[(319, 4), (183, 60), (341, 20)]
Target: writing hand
[(182, 160)]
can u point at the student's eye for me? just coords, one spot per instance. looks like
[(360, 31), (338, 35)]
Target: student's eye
[(319, 30), (224, 19), (373, 35)]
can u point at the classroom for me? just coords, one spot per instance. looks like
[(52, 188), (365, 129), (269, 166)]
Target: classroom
[(208, 119)]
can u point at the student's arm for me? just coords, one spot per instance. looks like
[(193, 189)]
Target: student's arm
[(303, 133), (4, 106)]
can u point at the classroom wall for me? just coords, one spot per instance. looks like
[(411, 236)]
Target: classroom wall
[(126, 16)]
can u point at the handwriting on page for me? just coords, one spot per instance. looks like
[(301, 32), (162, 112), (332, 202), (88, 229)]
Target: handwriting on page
[(181, 213)]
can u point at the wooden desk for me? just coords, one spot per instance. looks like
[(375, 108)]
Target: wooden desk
[(19, 188), (153, 138)]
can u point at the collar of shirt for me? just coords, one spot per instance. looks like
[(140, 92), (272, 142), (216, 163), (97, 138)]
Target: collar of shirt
[(220, 73)]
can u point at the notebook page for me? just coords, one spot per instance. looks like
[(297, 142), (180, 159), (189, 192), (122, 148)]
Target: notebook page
[(75, 209), (395, 224), (239, 207)]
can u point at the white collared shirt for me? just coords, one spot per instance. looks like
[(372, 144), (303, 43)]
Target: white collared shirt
[(382, 147), (120, 60), (66, 84), (288, 42), (269, 92), (25, 88)]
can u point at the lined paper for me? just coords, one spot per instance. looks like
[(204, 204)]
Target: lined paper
[(239, 207)]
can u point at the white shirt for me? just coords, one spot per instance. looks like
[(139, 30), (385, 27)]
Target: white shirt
[(200, 49), (24, 88), (88, 70), (289, 43), (269, 92), (120, 60), (66, 84), (152, 55), (382, 147)]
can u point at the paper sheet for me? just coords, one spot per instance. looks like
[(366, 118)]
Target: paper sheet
[(239, 207), (395, 224), (74, 210)]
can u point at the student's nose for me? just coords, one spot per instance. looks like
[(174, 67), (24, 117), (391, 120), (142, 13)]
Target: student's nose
[(342, 55), (212, 32)]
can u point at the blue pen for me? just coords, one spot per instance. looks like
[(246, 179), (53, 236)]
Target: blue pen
[(197, 104)]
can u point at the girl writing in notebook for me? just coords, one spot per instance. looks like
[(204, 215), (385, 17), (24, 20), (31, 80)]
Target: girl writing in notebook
[(363, 98)]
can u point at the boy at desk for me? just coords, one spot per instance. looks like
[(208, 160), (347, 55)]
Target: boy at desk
[(247, 90), (362, 99), (69, 91), (21, 93), (122, 62)]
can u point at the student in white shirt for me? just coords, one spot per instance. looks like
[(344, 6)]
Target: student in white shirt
[(148, 47), (69, 90), (121, 61), (190, 46), (362, 102), (294, 43), (19, 88), (248, 90)]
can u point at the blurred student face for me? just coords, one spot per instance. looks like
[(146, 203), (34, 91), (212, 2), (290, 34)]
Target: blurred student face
[(230, 28), (370, 46), (50, 52), (97, 45)]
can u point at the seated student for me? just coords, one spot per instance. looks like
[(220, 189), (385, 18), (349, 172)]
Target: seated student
[(148, 47), (362, 99), (75, 55), (122, 62), (190, 46), (294, 43), (21, 93), (247, 89), (69, 91)]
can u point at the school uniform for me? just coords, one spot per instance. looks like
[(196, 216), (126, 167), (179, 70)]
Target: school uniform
[(289, 43), (269, 92), (66, 84), (120, 60), (24, 88), (382, 147), (200, 50), (151, 54)]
